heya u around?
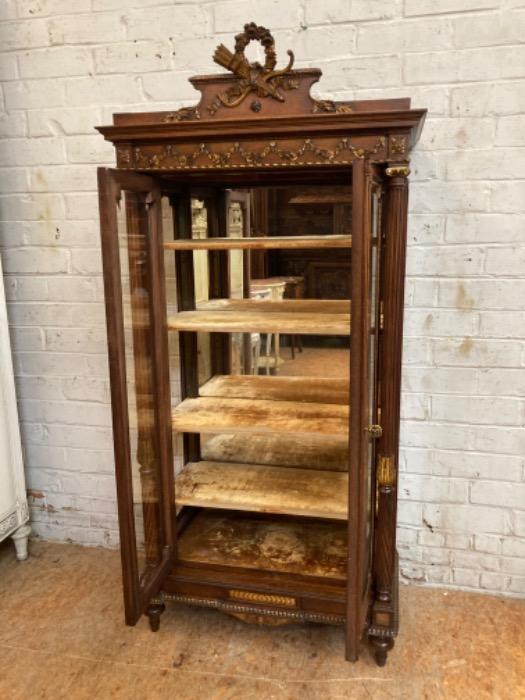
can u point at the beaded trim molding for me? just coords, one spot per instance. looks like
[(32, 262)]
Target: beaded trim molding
[(237, 608)]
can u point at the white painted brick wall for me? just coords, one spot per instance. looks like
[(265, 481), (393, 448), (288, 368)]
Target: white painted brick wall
[(68, 64)]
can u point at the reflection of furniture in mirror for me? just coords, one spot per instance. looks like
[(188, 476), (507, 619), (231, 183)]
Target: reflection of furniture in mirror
[(284, 506), (199, 226), (244, 347), (294, 289), (273, 290), (297, 211)]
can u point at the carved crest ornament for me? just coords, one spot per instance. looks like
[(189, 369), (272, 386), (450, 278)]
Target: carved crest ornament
[(259, 81), (245, 91), (263, 80)]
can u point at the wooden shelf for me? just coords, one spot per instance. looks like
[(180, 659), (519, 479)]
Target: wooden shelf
[(287, 306), (263, 489), (261, 243), (283, 545), (221, 415), (304, 452), (302, 316), (303, 389)]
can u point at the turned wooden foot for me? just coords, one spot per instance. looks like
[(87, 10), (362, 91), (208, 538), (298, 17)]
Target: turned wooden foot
[(20, 538), (154, 612), (381, 646)]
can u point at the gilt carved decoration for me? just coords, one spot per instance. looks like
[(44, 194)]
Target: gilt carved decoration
[(183, 114), (238, 155), (263, 80), (331, 106)]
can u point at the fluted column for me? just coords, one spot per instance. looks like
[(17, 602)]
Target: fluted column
[(384, 613)]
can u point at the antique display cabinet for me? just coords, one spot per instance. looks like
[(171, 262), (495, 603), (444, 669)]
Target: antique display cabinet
[(253, 252)]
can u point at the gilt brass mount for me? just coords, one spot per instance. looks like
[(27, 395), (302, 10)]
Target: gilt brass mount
[(254, 597), (386, 471), (374, 431), (398, 171)]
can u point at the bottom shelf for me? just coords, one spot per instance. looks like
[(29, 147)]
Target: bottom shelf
[(277, 544)]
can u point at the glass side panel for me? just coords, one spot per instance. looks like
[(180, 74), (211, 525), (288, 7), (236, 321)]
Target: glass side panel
[(132, 219), (171, 309), (373, 331)]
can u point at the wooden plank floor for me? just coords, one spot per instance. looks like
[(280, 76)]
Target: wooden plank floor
[(261, 243), (220, 415), (278, 388), (262, 489), (303, 316)]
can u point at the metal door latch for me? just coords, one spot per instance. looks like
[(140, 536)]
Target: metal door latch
[(374, 431)]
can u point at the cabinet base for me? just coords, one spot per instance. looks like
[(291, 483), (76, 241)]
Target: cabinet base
[(255, 610)]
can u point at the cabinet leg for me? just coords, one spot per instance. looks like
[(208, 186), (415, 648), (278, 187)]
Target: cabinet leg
[(381, 646), (20, 538), (154, 612)]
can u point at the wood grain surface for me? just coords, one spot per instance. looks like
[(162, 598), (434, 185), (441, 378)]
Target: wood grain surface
[(305, 316), (263, 489), (262, 243), (305, 547), (288, 306), (305, 452), (219, 415), (279, 388)]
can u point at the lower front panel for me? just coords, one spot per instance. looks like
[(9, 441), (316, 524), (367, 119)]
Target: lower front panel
[(288, 568)]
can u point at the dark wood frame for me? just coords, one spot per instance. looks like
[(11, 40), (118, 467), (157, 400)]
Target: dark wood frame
[(208, 148)]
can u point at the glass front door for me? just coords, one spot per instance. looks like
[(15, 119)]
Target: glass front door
[(131, 229), (364, 416)]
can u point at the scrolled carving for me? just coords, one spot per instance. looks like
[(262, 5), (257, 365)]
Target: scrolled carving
[(183, 114), (264, 80), (331, 106)]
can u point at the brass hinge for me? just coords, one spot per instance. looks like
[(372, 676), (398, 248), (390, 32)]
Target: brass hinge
[(374, 431), (386, 471)]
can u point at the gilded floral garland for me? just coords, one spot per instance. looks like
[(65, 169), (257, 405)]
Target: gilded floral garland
[(238, 156)]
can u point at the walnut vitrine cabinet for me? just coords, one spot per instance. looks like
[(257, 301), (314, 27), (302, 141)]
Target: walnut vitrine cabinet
[(279, 500)]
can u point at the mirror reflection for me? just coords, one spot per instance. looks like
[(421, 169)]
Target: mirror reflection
[(274, 275)]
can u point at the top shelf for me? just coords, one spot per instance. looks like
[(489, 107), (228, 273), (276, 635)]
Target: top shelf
[(261, 243)]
